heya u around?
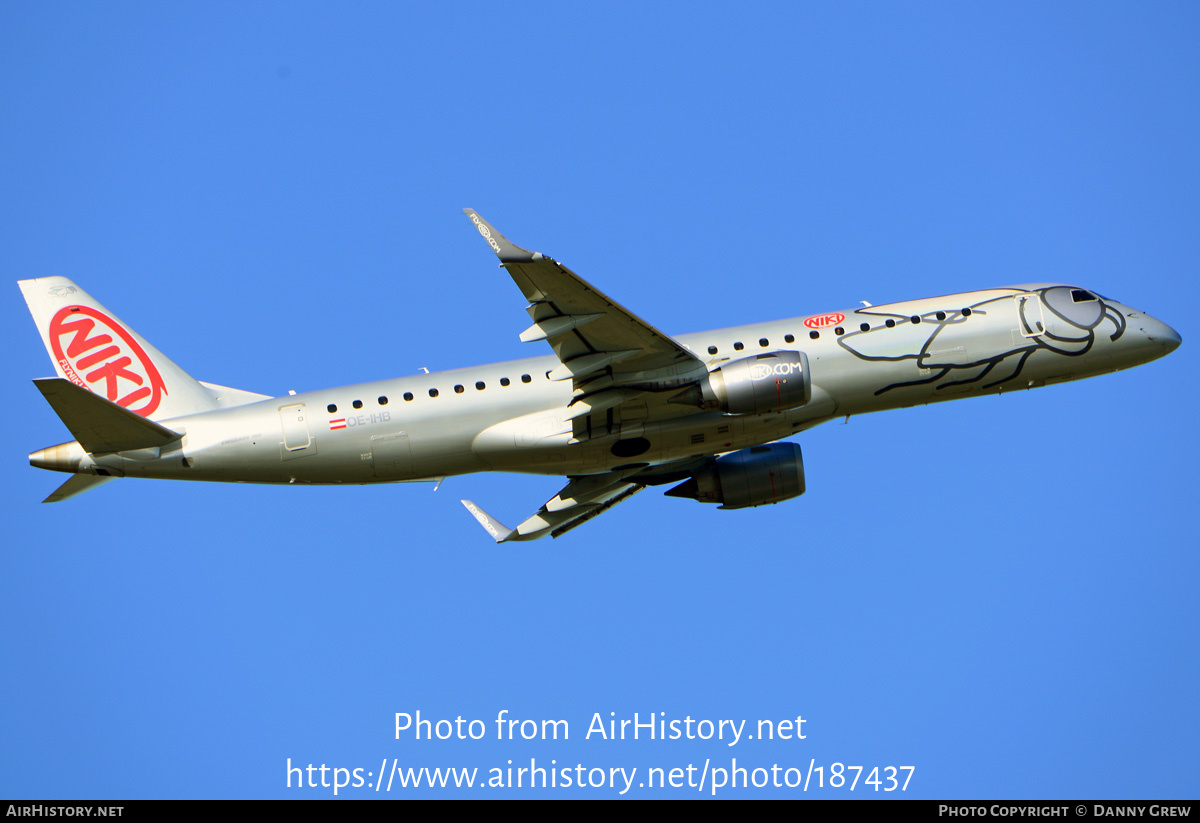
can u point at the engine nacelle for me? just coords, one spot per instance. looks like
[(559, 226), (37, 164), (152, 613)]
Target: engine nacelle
[(773, 382), (758, 476)]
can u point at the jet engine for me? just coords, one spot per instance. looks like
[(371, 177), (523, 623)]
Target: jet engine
[(757, 476), (772, 382)]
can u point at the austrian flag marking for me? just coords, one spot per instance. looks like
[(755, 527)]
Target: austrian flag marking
[(340, 423)]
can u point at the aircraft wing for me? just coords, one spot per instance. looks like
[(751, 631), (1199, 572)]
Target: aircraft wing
[(583, 498), (592, 335)]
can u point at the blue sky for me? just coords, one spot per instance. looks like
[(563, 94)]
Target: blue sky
[(997, 592)]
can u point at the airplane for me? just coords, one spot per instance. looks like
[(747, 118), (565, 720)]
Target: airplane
[(619, 406)]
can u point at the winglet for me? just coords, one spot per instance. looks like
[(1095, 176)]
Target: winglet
[(490, 524), (506, 251)]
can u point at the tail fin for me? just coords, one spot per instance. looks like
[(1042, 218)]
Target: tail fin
[(93, 349)]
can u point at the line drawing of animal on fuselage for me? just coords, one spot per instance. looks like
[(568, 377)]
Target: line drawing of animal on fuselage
[(1062, 320)]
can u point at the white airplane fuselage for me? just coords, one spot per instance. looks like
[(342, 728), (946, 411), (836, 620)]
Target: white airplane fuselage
[(513, 417)]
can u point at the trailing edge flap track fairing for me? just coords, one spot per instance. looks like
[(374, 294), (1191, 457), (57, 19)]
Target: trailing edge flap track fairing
[(617, 407)]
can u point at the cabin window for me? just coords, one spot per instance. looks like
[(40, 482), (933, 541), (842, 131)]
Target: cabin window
[(332, 408), (839, 331), (525, 378), (764, 342), (864, 326), (916, 318), (712, 349), (504, 381), (433, 392), (890, 323), (738, 347), (966, 312), (383, 400), (357, 404), (1082, 296), (788, 338), (813, 334), (940, 315), (480, 385), (458, 389), (408, 396)]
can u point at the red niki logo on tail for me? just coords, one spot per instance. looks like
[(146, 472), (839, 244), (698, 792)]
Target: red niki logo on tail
[(112, 365)]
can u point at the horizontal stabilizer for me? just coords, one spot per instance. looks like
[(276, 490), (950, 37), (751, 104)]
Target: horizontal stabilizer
[(77, 484), (100, 425)]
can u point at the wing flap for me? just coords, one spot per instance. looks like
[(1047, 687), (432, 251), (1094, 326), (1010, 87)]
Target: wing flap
[(599, 401), (597, 511), (585, 365), (585, 490), (554, 326), (580, 500)]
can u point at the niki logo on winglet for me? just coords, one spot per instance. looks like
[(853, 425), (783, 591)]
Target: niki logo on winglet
[(101, 355)]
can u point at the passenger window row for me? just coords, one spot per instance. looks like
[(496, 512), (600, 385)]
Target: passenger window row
[(737, 346), (839, 331), (409, 397)]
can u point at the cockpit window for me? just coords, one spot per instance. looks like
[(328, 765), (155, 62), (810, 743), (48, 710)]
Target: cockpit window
[(1082, 296)]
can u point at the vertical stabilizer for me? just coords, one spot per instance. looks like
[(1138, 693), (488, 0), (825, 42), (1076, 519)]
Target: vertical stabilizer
[(92, 348)]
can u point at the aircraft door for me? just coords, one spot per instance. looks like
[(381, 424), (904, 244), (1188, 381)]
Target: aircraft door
[(1030, 320), (296, 436)]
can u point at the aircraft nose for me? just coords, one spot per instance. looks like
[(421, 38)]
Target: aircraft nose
[(1159, 332), (1171, 339)]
